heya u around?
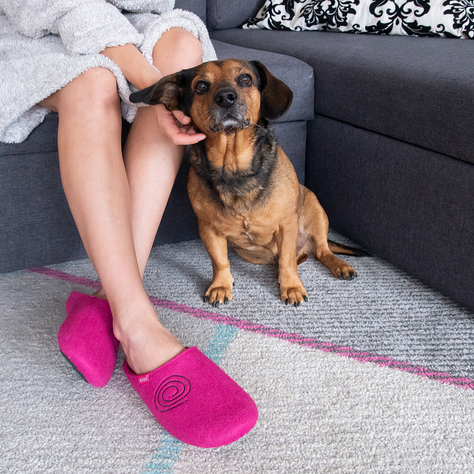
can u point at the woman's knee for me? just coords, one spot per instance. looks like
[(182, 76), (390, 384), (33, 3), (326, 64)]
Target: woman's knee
[(94, 89), (177, 49)]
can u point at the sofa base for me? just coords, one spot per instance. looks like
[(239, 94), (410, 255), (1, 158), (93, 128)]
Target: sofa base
[(36, 226), (406, 204)]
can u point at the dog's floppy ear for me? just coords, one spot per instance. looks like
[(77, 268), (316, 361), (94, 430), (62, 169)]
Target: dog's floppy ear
[(276, 96), (169, 91)]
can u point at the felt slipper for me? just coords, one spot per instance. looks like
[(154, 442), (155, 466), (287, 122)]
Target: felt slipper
[(87, 340), (195, 400)]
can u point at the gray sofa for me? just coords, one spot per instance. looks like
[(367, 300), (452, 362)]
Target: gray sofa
[(381, 128)]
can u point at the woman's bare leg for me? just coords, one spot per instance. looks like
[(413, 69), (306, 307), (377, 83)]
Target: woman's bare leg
[(97, 189), (117, 210), (152, 160)]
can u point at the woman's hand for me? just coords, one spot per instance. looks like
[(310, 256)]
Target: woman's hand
[(141, 74), (177, 126)]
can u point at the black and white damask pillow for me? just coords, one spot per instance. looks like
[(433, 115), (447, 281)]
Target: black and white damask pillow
[(450, 18)]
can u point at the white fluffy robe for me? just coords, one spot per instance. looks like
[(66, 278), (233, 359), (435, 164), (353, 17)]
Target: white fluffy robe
[(45, 44)]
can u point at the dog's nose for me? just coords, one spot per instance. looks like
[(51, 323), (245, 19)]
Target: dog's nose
[(225, 98)]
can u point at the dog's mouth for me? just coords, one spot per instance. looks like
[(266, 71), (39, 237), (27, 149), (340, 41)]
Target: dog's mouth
[(229, 125), (229, 120)]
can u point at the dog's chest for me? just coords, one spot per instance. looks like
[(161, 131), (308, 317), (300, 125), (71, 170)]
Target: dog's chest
[(245, 231)]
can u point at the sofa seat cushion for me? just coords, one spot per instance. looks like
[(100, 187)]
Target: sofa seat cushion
[(295, 73), (42, 139), (419, 90)]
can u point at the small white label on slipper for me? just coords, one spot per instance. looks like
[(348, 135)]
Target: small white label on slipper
[(144, 379)]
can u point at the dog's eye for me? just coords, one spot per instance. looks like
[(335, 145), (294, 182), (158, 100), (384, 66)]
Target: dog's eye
[(245, 80), (202, 87)]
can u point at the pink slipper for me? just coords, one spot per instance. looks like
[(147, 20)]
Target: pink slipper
[(195, 400), (87, 340)]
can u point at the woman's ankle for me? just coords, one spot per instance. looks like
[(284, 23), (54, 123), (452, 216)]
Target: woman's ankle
[(152, 351), (146, 342)]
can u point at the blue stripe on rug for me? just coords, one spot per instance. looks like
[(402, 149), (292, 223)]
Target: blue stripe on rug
[(167, 453)]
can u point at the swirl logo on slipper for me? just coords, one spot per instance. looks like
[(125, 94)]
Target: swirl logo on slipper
[(172, 392)]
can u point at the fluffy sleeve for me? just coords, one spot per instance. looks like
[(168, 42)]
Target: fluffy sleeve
[(85, 26), (145, 6)]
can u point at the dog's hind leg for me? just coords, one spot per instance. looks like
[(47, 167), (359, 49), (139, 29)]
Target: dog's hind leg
[(315, 225)]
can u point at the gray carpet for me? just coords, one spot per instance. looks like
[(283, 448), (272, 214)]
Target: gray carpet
[(370, 376)]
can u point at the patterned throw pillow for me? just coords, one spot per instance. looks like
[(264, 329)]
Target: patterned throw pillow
[(449, 18)]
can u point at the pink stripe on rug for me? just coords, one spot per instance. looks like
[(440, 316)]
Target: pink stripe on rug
[(57, 275), (311, 342)]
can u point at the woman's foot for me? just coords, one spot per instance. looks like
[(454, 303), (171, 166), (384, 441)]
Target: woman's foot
[(145, 341), (196, 401)]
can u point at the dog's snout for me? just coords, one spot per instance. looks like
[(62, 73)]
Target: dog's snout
[(225, 98)]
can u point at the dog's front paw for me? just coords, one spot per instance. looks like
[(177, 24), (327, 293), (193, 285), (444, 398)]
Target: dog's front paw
[(217, 295), (294, 295)]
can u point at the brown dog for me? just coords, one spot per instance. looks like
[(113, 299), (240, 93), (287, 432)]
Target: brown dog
[(242, 186)]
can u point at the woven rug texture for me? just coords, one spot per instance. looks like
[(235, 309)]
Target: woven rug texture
[(374, 375)]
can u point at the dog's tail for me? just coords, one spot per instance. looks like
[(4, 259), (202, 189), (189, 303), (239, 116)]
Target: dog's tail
[(334, 247)]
